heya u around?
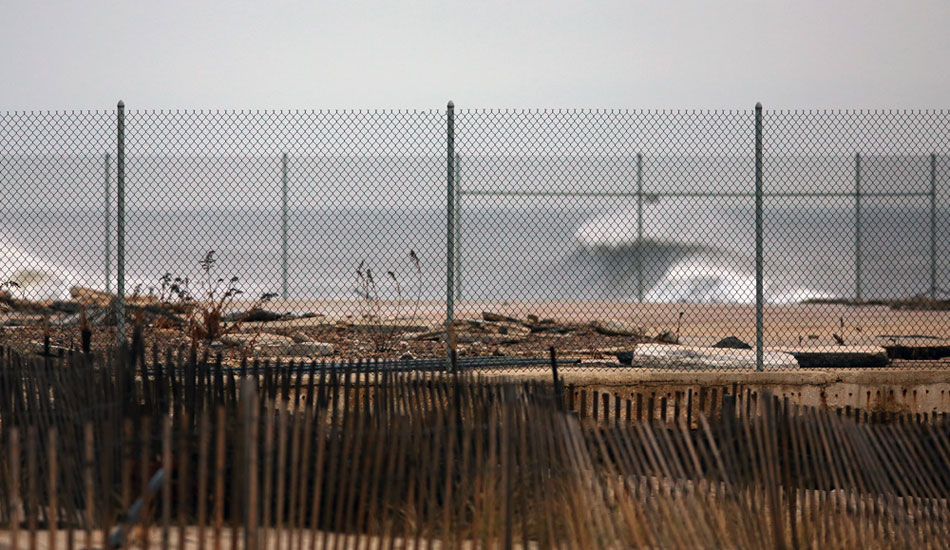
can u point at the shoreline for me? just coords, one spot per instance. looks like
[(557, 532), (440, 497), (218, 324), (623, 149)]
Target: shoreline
[(701, 324)]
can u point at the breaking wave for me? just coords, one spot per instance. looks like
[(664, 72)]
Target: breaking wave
[(33, 278), (675, 265)]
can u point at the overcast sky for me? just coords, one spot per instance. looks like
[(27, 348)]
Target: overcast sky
[(322, 55)]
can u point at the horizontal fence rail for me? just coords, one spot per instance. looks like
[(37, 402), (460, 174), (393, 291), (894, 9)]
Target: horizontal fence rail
[(644, 238)]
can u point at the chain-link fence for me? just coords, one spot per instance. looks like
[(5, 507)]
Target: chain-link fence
[(629, 235)]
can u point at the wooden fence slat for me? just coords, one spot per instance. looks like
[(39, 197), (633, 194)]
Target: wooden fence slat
[(182, 463), (689, 408), (266, 495), (219, 449), (33, 499), (282, 428), (127, 447), (52, 515), (15, 498), (145, 474), (251, 442), (295, 445), (166, 490), (306, 472), (202, 497), (595, 402)]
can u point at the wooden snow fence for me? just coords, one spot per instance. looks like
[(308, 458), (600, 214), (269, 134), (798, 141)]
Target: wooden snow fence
[(175, 451)]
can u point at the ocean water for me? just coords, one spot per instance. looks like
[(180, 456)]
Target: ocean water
[(692, 250), (535, 227)]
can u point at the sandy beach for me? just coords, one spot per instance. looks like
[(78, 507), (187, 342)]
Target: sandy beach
[(573, 327), (701, 324)]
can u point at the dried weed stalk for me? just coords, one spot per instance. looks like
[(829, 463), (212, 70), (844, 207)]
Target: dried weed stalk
[(375, 309), (204, 310)]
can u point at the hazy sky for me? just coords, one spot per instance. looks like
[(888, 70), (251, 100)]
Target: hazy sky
[(323, 55)]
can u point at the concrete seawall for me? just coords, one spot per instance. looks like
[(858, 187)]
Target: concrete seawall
[(887, 390)]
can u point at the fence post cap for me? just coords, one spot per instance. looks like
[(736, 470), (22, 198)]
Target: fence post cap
[(451, 104), (758, 106), (121, 104)]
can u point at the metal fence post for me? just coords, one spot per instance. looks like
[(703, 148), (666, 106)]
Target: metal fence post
[(858, 260), (283, 227), (450, 236), (120, 227), (458, 227), (639, 227), (933, 226), (759, 260), (108, 226)]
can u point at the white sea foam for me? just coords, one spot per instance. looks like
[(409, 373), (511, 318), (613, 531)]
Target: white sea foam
[(700, 280), (696, 281), (34, 279)]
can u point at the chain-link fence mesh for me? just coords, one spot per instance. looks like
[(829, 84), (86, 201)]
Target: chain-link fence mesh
[(599, 233), (610, 224), (857, 225), (57, 228), (320, 214)]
